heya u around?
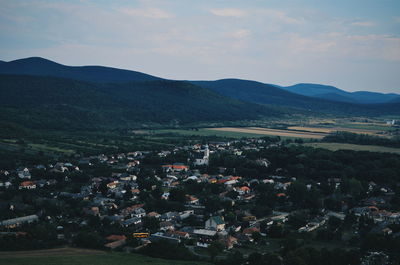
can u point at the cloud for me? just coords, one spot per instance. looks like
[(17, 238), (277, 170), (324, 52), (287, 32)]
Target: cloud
[(363, 24), (229, 12), (154, 13), (279, 15), (240, 33)]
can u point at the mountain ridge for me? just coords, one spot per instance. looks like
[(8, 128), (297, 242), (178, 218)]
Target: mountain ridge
[(51, 95), (99, 74), (59, 103), (334, 93)]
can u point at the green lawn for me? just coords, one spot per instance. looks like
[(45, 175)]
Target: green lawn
[(355, 147), (95, 259)]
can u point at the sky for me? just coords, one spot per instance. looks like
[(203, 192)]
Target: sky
[(350, 44)]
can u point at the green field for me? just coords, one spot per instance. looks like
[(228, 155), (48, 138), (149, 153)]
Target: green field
[(355, 147), (207, 132), (91, 259)]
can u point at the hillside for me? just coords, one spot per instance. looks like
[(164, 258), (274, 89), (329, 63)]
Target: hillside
[(99, 74), (57, 103), (335, 94), (260, 93), (38, 93)]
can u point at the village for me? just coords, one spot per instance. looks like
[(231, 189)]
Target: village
[(201, 196)]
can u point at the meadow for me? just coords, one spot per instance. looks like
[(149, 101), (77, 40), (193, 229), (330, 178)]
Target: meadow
[(74, 256)]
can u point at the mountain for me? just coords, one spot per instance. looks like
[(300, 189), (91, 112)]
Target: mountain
[(58, 103), (39, 93), (98, 74), (260, 93), (333, 93)]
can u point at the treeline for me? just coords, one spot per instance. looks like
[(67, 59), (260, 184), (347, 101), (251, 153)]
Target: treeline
[(316, 164), (363, 139)]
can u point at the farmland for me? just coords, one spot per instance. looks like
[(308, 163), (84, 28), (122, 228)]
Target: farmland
[(273, 132), (239, 132), (74, 256), (355, 147)]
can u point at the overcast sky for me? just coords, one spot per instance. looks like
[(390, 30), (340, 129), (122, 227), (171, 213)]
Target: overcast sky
[(351, 44)]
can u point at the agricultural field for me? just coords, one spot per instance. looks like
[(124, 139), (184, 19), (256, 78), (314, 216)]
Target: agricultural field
[(355, 147), (74, 256), (335, 129), (272, 132)]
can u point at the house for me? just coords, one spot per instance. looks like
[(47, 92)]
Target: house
[(24, 174), (92, 211), (175, 167), (167, 225), (192, 199), (139, 212), (229, 241), (153, 215), (131, 221), (170, 216), (112, 185), (180, 234), (115, 237), (250, 230), (204, 236), (165, 196), (215, 223), (131, 210), (27, 185), (11, 223), (160, 236), (242, 190), (117, 241)]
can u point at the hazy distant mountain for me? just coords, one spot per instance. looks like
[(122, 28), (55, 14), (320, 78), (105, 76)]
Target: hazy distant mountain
[(333, 93), (98, 74), (256, 92)]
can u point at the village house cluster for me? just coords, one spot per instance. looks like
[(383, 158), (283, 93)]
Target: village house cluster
[(120, 196)]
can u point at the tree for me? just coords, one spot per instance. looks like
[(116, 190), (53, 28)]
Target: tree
[(256, 236), (256, 258), (177, 195), (214, 249), (297, 192), (151, 223)]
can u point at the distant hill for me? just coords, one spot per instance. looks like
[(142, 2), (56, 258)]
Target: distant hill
[(260, 93), (333, 93), (39, 93), (99, 74), (57, 103)]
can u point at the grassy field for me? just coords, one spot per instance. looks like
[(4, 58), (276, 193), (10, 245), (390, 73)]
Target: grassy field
[(72, 256), (335, 129), (355, 147), (239, 132), (272, 132), (208, 132)]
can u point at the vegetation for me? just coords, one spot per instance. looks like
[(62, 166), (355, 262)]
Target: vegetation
[(363, 139), (64, 104), (86, 258), (354, 147)]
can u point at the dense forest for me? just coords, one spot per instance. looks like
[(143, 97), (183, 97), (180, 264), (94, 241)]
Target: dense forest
[(364, 139), (64, 104)]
